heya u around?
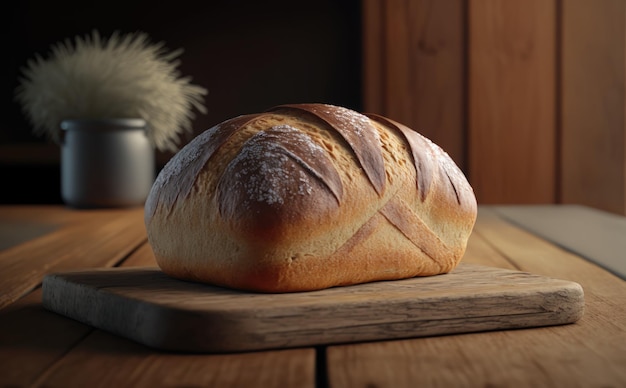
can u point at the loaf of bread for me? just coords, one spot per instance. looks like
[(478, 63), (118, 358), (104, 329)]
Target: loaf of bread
[(308, 196)]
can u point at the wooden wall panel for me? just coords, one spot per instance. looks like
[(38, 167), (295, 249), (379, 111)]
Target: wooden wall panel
[(414, 67), (512, 100), (593, 96), (529, 97), (373, 60)]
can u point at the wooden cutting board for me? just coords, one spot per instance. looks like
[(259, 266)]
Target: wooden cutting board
[(146, 306)]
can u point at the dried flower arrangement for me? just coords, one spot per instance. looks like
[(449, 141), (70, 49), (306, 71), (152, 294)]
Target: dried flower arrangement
[(125, 76)]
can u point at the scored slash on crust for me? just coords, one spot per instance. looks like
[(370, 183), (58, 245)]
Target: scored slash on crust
[(358, 132), (260, 170)]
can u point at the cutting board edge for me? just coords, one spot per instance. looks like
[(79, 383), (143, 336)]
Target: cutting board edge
[(156, 337)]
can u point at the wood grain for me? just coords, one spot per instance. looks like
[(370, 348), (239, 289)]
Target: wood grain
[(41, 213), (16, 232), (77, 355), (512, 100), (32, 339), (373, 57), (151, 308), (105, 238), (105, 360), (414, 63), (593, 234), (594, 104), (142, 257), (589, 353)]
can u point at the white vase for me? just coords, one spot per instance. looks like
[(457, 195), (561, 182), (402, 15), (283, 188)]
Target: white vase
[(106, 163)]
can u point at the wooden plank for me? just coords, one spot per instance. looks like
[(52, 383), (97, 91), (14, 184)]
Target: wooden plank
[(588, 353), (414, 67), (373, 58), (42, 348), (594, 234), (33, 339), (480, 252), (512, 83), (149, 307), (46, 214), (105, 360), (90, 362), (142, 257), (21, 223), (17, 232), (101, 241), (593, 155)]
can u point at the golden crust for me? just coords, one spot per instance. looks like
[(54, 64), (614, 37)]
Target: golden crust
[(305, 197)]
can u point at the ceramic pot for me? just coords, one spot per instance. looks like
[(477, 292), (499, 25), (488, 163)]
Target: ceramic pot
[(106, 163)]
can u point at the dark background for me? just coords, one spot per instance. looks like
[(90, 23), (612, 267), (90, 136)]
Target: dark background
[(250, 55)]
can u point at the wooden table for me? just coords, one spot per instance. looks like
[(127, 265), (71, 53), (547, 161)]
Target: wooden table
[(41, 348)]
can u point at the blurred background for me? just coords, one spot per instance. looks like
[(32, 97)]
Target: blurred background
[(527, 96)]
